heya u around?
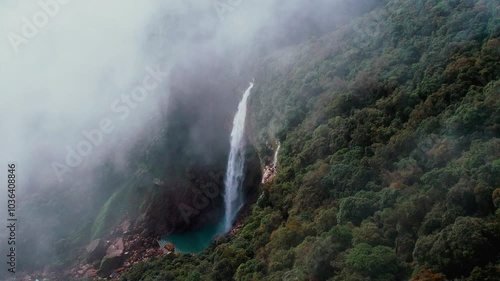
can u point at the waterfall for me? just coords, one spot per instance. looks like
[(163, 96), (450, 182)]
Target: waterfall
[(233, 196), (275, 159)]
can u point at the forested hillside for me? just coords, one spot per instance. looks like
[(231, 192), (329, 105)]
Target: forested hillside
[(390, 160)]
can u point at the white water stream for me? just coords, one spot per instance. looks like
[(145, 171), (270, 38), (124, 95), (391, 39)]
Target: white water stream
[(233, 196)]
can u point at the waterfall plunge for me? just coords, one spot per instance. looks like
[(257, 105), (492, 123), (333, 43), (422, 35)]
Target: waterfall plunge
[(275, 159), (233, 196)]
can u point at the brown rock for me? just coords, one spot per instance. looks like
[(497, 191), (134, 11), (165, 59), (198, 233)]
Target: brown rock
[(119, 244), (111, 249), (170, 247)]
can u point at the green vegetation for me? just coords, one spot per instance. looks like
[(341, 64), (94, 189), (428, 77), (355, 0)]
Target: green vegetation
[(389, 166)]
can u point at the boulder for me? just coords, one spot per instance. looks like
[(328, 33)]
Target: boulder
[(111, 262), (170, 247), (96, 250), (117, 245)]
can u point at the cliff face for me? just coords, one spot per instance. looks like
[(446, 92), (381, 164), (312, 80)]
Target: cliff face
[(197, 137), (389, 162), (184, 204), (253, 172), (195, 201)]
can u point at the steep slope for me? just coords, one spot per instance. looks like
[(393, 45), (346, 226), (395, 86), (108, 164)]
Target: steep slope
[(389, 163)]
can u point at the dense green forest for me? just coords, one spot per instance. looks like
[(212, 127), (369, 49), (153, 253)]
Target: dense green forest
[(390, 159)]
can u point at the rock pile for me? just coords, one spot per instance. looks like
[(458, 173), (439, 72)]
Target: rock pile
[(111, 258), (269, 174), (271, 170)]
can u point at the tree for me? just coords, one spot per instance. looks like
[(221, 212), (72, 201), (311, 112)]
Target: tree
[(356, 208), (376, 262), (458, 248)]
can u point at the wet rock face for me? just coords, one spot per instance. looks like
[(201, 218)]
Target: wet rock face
[(253, 173), (195, 201), (96, 250), (185, 204)]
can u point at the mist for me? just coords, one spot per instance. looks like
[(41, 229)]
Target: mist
[(81, 82)]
